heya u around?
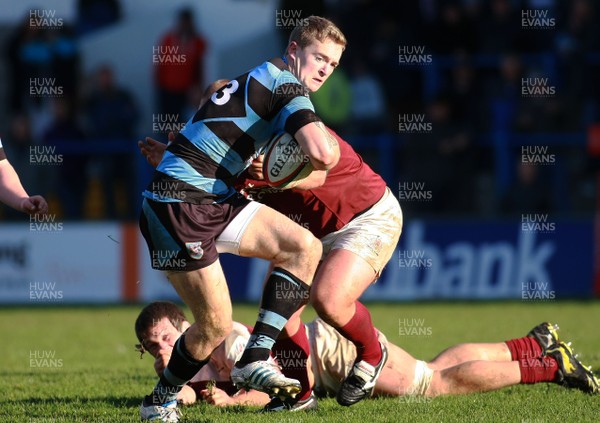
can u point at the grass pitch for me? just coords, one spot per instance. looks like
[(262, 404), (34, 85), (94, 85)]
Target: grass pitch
[(77, 364)]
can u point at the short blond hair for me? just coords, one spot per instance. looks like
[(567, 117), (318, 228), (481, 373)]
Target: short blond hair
[(317, 28)]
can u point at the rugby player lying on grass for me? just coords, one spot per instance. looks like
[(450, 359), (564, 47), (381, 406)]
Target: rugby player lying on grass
[(461, 369)]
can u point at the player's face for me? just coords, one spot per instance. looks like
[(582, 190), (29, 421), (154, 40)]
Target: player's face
[(161, 336), (313, 64)]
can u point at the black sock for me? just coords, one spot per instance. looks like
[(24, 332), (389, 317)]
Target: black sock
[(181, 368), (282, 296)]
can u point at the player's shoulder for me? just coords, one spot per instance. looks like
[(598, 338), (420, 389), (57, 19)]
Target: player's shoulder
[(273, 73)]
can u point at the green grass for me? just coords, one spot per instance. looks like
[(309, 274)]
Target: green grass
[(94, 374)]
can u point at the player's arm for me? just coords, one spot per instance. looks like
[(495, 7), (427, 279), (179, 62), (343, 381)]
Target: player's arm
[(14, 195), (218, 397), (314, 180), (153, 150), (319, 145), (187, 395)]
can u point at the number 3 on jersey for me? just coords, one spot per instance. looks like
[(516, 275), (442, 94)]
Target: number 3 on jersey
[(229, 101), (223, 95)]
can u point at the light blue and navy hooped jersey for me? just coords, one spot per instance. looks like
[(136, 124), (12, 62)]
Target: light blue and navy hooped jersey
[(228, 132)]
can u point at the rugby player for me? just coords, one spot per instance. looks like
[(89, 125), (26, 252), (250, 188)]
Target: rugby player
[(12, 192), (190, 207), (358, 220), (461, 369)]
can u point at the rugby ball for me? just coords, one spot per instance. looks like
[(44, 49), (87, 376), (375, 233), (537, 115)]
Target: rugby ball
[(285, 164)]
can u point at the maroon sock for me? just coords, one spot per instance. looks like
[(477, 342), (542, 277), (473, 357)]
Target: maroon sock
[(524, 348), (292, 355), (535, 370), (361, 332)]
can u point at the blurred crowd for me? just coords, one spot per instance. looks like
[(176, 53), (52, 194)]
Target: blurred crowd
[(465, 68), (459, 67), (72, 136)]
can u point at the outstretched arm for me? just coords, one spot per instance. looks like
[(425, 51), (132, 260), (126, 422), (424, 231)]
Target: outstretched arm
[(153, 150), (218, 397), (13, 194)]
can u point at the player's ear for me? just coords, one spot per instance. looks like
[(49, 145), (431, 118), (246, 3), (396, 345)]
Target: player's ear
[(292, 49), (185, 325)]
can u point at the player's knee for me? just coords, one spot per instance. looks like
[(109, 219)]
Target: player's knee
[(315, 248), (326, 307), (309, 245), (305, 248)]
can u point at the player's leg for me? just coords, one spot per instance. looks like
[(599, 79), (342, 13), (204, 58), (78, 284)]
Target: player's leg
[(474, 376), (355, 256), (399, 375), (181, 242), (205, 292), (404, 375), (295, 253), (462, 353), (539, 340), (292, 351), (341, 279)]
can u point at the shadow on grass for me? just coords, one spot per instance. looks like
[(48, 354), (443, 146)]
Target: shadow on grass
[(117, 402)]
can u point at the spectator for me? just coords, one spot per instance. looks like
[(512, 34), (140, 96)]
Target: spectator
[(499, 29), (30, 57), (68, 179), (453, 32), (368, 101), (441, 159), (528, 193), (179, 64), (96, 14), (110, 114)]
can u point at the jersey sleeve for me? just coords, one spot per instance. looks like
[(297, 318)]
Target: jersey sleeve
[(297, 113), (296, 109), (235, 343)]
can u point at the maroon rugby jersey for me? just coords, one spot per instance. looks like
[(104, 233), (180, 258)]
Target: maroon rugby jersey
[(350, 188)]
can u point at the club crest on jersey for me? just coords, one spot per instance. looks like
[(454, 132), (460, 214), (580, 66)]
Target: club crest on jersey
[(195, 250)]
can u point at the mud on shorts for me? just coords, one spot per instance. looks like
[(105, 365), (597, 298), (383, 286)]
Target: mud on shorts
[(372, 235)]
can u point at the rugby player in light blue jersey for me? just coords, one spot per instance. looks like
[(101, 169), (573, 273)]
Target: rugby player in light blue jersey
[(191, 212)]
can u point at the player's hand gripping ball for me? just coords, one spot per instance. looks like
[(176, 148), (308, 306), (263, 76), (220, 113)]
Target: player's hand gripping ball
[(285, 164)]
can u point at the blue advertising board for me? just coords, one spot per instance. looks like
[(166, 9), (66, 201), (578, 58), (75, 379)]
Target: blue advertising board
[(533, 259)]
